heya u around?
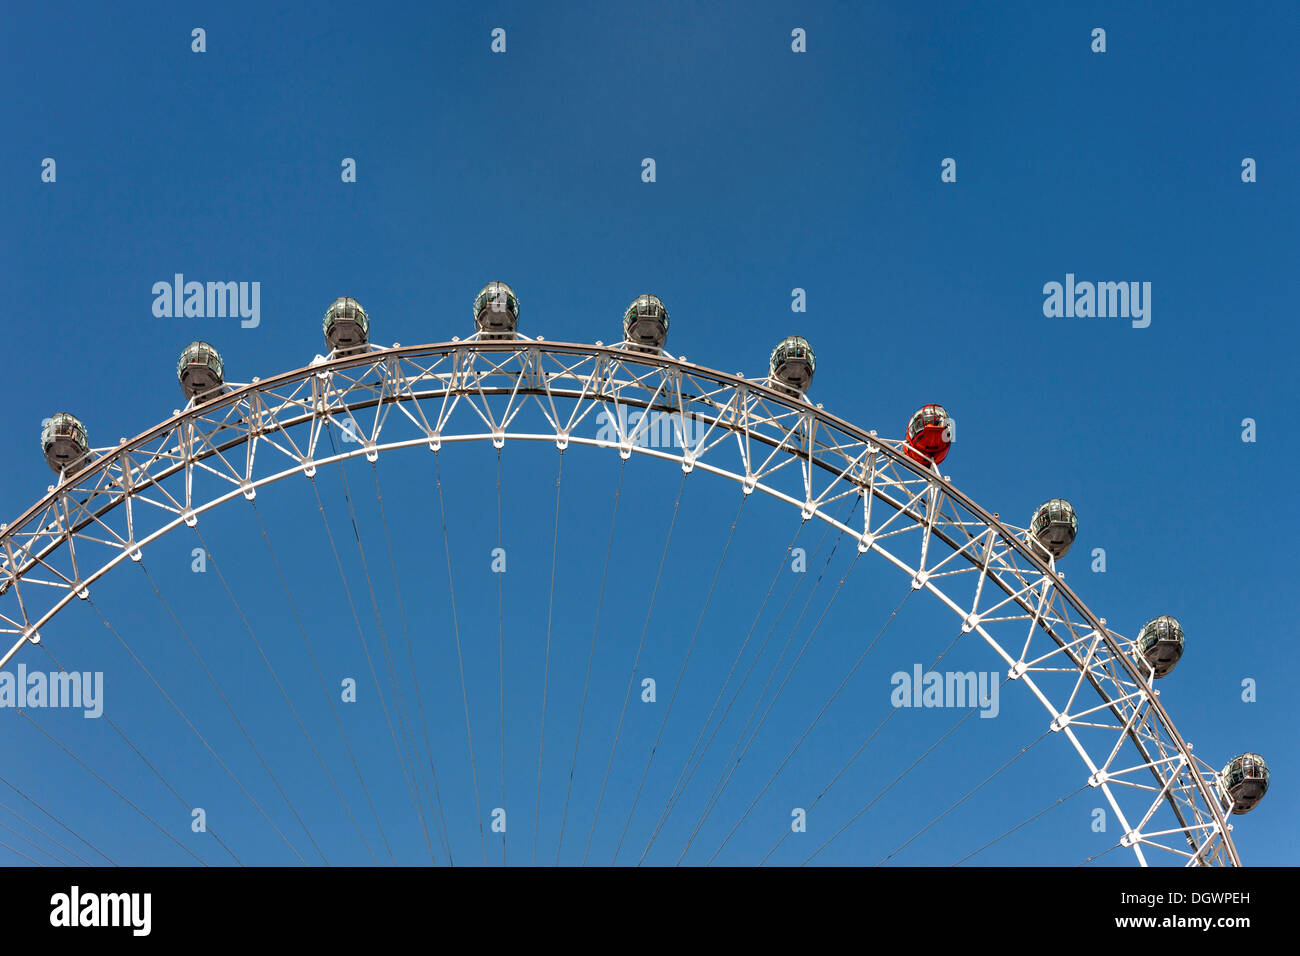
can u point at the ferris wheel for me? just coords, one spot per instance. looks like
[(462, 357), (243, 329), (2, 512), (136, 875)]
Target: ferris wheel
[(887, 497)]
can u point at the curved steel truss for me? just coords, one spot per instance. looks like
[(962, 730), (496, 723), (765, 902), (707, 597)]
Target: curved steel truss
[(984, 570)]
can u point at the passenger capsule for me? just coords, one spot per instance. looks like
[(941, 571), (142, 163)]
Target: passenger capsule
[(347, 327), (1160, 642), (496, 311), (645, 323), (929, 435), (792, 365), (1244, 782), (64, 442), (200, 369), (1054, 526)]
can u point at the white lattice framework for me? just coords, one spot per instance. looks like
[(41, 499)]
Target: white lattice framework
[(1097, 693)]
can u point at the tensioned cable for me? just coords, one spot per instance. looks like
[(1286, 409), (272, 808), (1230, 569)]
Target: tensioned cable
[(460, 657), (56, 820), (1059, 801), (732, 760), (70, 852), (23, 855), (410, 656), (969, 794), (35, 846), (680, 674), (501, 656), (416, 775), (636, 662), (203, 740), (217, 687), (329, 697), (116, 792), (546, 673), (1097, 856), (365, 647), (591, 656), (143, 759), (820, 714), (737, 752), (785, 680), (951, 730), (866, 743), (679, 788)]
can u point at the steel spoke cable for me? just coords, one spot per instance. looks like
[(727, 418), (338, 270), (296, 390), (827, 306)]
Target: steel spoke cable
[(23, 855), (679, 788), (737, 751), (118, 793), (820, 714), (460, 657), (636, 662), (879, 727), (772, 704), (501, 656), (217, 687), (329, 697), (680, 675), (36, 846), (1059, 801), (591, 656), (970, 793), (58, 821), (143, 759), (365, 647), (1098, 856), (410, 656), (732, 758), (546, 672), (415, 776), (951, 730), (70, 852), (203, 740)]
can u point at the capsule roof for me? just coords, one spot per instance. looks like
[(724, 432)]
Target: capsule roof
[(496, 309), (64, 441), (346, 325), (645, 323), (200, 353), (199, 369), (1053, 511), (1245, 781), (792, 347), (1161, 644), (925, 416), (345, 307)]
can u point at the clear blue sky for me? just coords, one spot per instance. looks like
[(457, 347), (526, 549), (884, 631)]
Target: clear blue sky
[(775, 170)]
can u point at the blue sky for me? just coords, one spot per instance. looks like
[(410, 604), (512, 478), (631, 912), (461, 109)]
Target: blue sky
[(775, 170)]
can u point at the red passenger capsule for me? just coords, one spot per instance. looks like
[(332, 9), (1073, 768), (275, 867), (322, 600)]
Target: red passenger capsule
[(930, 434)]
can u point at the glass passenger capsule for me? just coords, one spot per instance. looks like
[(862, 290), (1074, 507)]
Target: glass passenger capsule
[(1160, 642), (792, 365), (645, 323), (200, 369), (64, 442), (346, 326), (496, 311), (929, 435), (1054, 526), (1243, 782)]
